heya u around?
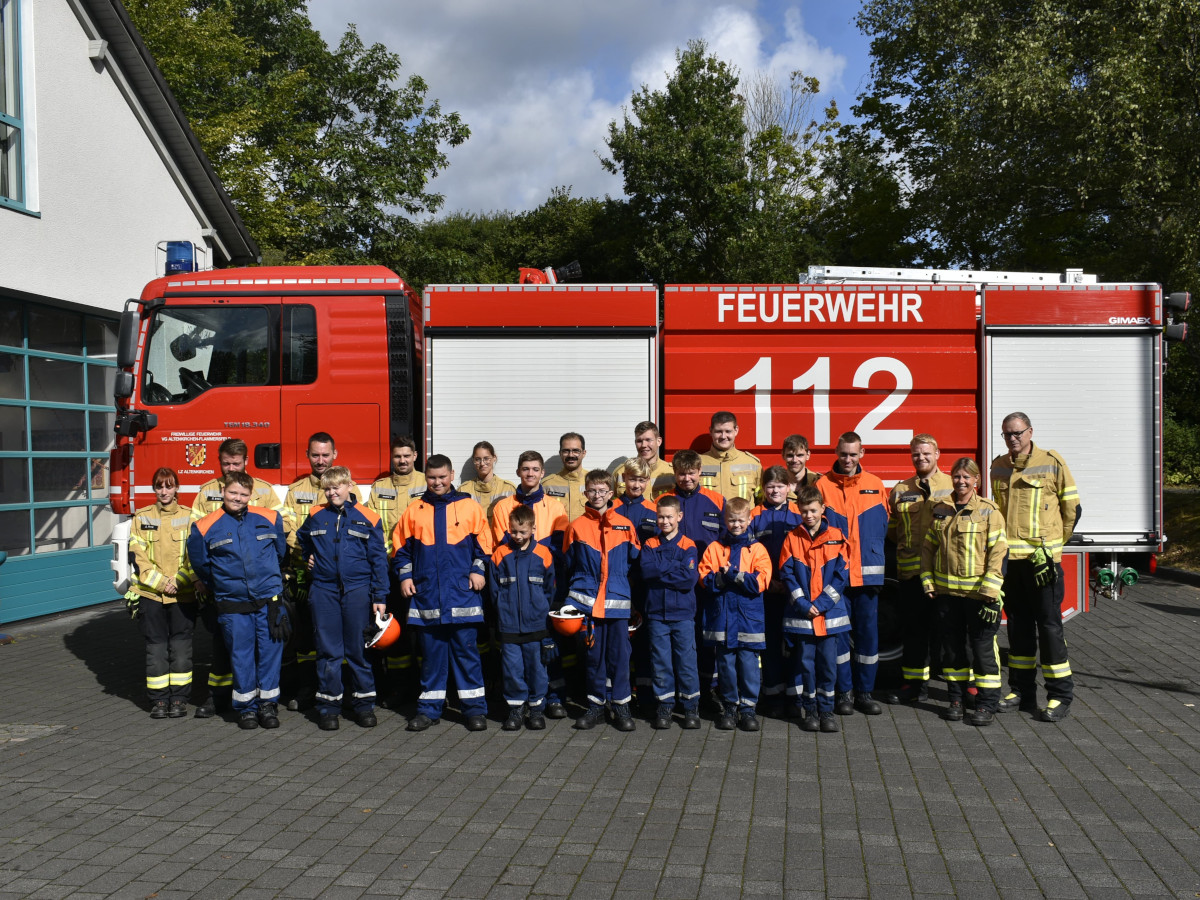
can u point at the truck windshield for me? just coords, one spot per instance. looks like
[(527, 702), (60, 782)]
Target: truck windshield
[(196, 349)]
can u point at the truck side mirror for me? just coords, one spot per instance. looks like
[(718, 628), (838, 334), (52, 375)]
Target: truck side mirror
[(123, 385), (127, 338)]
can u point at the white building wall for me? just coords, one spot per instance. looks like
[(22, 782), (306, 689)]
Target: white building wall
[(105, 197)]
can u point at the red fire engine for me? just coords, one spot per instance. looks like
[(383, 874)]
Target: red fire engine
[(272, 355)]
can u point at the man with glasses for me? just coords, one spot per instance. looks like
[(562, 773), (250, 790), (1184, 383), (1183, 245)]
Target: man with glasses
[(1040, 503), (566, 486)]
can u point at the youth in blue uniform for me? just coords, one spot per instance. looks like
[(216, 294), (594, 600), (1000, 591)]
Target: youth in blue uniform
[(522, 586), (441, 548), (342, 546), (237, 552), (771, 522), (639, 508), (669, 568)]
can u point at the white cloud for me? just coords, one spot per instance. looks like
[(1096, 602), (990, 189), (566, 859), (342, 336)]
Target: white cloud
[(538, 81)]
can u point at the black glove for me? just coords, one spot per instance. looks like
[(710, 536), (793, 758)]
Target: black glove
[(989, 612), (279, 620), (549, 650), (1045, 573), (133, 603)]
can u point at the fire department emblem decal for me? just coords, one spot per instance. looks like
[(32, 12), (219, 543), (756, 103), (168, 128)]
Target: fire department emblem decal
[(196, 454)]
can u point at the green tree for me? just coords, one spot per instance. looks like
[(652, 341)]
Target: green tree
[(325, 154), (1041, 134)]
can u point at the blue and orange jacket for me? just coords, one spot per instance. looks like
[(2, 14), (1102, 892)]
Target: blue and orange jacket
[(239, 557), (770, 525), (601, 550), (438, 543), (549, 515), (857, 505), (733, 614), (642, 512), (814, 570), (702, 511), (670, 572), (521, 587), (347, 547)]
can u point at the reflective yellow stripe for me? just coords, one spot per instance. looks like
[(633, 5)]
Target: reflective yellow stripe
[(1022, 662), (1056, 670), (158, 682), (915, 674), (178, 679), (220, 680), (956, 674)]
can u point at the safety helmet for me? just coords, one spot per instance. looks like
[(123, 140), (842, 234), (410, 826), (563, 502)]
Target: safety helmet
[(566, 621), (635, 621), (385, 632)]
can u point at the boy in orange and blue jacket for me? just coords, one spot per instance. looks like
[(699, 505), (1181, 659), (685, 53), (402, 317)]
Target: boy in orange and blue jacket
[(813, 568), (736, 570), (601, 549)]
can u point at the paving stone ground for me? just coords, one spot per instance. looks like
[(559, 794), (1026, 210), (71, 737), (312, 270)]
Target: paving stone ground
[(98, 800)]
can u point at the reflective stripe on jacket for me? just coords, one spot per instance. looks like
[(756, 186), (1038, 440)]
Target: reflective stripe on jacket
[(390, 497), (521, 587), (912, 503), (488, 494), (239, 557), (670, 572), (965, 550), (733, 613), (733, 473), (158, 540), (567, 489), (815, 573), (347, 546), (601, 548), (857, 505), (439, 542), (1039, 500)]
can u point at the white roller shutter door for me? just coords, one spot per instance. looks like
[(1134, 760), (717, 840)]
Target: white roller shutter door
[(1091, 398), (523, 392)]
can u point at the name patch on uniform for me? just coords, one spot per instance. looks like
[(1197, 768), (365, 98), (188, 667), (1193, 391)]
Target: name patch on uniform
[(709, 472), (909, 498), (556, 491), (147, 526), (620, 528), (835, 543), (872, 491), (304, 500), (214, 497), (386, 495), (415, 492)]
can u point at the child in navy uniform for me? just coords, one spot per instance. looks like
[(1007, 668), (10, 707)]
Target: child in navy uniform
[(736, 570), (669, 573), (521, 578)]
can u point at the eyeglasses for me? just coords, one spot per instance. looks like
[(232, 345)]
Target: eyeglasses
[(483, 460), (598, 491), (569, 452), (1011, 435)]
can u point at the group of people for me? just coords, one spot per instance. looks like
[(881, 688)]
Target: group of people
[(710, 578)]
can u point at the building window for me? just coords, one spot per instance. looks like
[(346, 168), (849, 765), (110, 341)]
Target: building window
[(56, 427), (12, 165)]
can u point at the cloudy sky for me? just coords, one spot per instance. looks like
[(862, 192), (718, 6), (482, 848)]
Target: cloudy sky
[(538, 81)]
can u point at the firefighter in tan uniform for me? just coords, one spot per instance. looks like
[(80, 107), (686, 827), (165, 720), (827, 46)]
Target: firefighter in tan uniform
[(912, 502), (1036, 493), (303, 496), (231, 456), (648, 442), (390, 497), (486, 487), (566, 486), (962, 569), (726, 469), (161, 597)]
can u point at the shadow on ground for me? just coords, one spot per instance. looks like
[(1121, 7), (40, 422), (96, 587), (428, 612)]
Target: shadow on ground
[(111, 645)]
